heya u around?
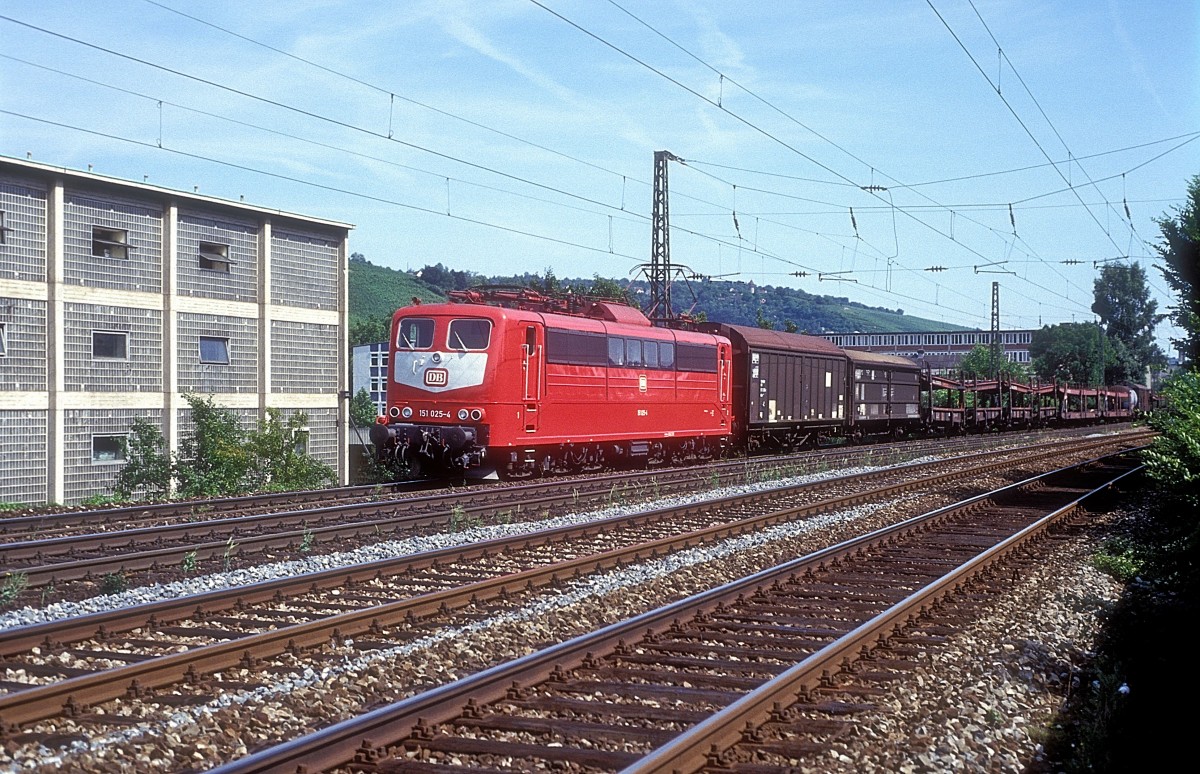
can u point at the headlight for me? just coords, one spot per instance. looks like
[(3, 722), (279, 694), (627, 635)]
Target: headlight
[(407, 412), (463, 414), (476, 414), (394, 411)]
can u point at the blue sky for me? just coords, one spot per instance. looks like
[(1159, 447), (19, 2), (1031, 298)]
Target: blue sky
[(859, 143)]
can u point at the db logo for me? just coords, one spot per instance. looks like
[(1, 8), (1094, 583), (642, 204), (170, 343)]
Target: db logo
[(436, 377)]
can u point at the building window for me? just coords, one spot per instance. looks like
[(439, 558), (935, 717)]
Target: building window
[(214, 350), (300, 440), (3, 339), (110, 242), (109, 345), (214, 257), (4, 229), (108, 448)]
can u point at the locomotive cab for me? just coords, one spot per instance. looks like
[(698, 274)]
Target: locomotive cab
[(437, 416)]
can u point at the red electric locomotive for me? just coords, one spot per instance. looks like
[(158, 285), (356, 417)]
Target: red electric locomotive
[(507, 380)]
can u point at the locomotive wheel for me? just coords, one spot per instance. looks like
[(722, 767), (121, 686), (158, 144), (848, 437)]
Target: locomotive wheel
[(416, 464)]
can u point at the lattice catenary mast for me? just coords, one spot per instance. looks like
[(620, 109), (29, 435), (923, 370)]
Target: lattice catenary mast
[(660, 243)]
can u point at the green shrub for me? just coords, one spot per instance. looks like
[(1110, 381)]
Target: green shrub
[(147, 469), (114, 583), (213, 460), (1173, 460)]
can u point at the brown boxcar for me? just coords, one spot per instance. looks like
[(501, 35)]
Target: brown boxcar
[(885, 394), (789, 390)]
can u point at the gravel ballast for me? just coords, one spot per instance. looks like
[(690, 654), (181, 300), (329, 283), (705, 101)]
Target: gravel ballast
[(981, 703)]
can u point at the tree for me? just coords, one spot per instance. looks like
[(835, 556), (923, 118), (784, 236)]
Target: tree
[(978, 363), (363, 410), (1129, 316), (1174, 458), (279, 454), (147, 467), (438, 276), (1180, 251), (547, 283), (608, 288), (213, 459), (1070, 352), (369, 331)]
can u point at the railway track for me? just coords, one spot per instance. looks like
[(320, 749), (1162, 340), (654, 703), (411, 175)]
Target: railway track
[(709, 681), (51, 525), (107, 664), (171, 550)]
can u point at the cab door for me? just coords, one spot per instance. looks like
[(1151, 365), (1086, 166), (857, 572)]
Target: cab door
[(531, 369)]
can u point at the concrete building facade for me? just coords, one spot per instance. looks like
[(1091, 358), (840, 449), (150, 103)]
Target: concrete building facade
[(118, 298)]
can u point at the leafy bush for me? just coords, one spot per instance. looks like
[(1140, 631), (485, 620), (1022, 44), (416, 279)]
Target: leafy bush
[(12, 586), (147, 469), (1120, 559), (213, 459), (362, 409), (1173, 460), (114, 583), (217, 458), (279, 464)]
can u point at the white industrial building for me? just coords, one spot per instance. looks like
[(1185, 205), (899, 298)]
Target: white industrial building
[(118, 298)]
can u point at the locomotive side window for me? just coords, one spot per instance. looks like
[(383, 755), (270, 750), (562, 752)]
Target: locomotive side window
[(575, 348), (633, 353), (414, 333), (469, 334), (650, 354), (616, 351), (666, 354), (700, 358)]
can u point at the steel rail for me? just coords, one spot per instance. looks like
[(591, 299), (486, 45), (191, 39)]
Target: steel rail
[(386, 518), (711, 741), (47, 523), (17, 640), (74, 693), (366, 741)]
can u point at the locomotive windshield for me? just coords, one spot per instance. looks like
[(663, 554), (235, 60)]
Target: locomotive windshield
[(469, 334), (414, 333)]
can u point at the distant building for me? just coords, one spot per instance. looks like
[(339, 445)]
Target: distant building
[(370, 373), (117, 298), (941, 350)]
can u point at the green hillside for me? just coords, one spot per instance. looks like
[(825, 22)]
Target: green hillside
[(376, 292)]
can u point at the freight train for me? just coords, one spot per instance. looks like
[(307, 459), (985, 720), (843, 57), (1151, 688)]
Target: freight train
[(511, 381)]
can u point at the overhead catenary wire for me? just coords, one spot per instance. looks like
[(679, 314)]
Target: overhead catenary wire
[(740, 212), (1072, 189), (346, 125), (752, 125)]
